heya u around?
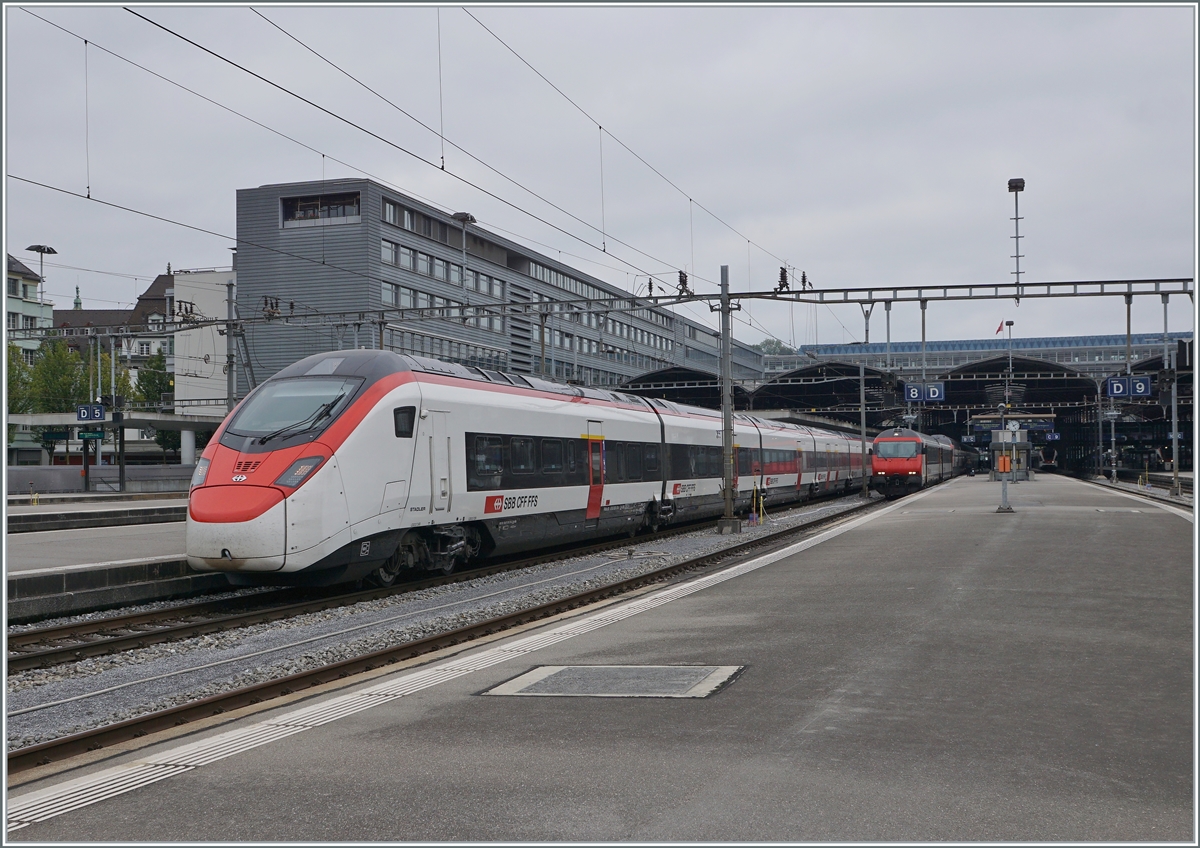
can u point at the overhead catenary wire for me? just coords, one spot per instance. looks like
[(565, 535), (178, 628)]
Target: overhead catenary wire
[(282, 135), (602, 248), (380, 179), (630, 150), (394, 145)]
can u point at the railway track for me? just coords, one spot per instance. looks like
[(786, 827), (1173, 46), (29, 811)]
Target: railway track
[(1150, 496), (1159, 479), (44, 753), (50, 646)]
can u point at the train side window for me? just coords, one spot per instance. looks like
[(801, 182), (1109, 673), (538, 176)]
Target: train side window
[(552, 456), (405, 419), (614, 462), (651, 457), (633, 462), (489, 455), (521, 451), (571, 457), (716, 462)]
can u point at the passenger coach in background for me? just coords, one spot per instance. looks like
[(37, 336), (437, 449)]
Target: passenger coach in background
[(363, 464), (904, 461)]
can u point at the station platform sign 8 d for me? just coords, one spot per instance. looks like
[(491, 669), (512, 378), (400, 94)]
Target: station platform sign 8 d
[(915, 392), (1121, 387)]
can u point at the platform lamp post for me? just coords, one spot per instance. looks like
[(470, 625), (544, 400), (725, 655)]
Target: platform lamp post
[(1015, 187), (42, 250)]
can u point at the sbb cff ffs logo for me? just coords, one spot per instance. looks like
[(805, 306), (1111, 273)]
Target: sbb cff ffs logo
[(499, 503)]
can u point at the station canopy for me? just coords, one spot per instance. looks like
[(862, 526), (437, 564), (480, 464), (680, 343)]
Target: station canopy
[(1035, 384), (687, 386)]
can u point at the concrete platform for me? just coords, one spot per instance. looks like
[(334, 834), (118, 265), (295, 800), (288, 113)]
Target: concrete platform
[(47, 593), (936, 671), (61, 572), (26, 518)]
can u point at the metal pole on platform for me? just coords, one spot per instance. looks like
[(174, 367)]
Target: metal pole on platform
[(1175, 490), (728, 524), (1166, 337), (923, 341), (887, 309), (1128, 333), (1112, 430), (230, 367), (862, 425), (1004, 507)]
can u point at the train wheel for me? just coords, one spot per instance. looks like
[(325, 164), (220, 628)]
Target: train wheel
[(386, 574)]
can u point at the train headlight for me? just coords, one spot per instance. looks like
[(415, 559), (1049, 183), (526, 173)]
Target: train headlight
[(299, 471), (200, 473)]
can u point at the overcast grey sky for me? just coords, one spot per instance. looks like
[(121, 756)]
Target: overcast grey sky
[(864, 145)]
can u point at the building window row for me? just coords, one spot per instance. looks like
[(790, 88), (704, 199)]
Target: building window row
[(583, 374), (403, 297), (449, 350), (439, 269), (587, 290), (422, 225), (556, 338), (618, 329), (408, 219)]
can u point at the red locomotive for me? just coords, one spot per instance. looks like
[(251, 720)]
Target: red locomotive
[(903, 461)]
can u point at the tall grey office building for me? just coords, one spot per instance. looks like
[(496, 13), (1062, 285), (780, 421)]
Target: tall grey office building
[(354, 245)]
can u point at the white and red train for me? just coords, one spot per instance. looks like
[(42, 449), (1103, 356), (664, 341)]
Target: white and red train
[(361, 464), (903, 461)]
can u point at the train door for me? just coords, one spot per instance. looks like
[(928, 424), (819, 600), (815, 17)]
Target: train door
[(440, 493), (595, 461)]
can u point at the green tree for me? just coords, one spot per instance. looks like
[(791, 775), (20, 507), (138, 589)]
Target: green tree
[(19, 382), (60, 378), (774, 346), (154, 380), (59, 382)]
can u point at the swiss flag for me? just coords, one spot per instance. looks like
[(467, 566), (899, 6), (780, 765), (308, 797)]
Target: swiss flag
[(1000, 329)]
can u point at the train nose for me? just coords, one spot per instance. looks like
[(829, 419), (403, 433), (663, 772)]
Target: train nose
[(242, 528)]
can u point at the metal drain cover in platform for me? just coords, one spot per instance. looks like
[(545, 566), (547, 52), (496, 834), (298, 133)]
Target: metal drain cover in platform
[(620, 681)]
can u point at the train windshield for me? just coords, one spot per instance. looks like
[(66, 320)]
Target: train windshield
[(896, 450), (286, 407)]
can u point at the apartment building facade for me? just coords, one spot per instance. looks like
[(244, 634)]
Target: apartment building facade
[(25, 308)]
